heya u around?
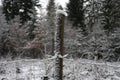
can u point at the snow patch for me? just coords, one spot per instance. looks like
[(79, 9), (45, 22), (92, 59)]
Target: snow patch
[(21, 10)]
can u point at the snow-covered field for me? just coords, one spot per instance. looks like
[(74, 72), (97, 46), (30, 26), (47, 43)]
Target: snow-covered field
[(80, 69)]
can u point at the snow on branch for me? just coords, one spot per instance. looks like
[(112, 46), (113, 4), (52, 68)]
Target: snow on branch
[(60, 56), (21, 10)]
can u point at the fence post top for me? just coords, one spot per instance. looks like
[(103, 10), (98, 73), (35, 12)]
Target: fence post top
[(60, 11)]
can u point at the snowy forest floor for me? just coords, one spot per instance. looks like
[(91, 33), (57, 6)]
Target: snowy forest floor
[(79, 69)]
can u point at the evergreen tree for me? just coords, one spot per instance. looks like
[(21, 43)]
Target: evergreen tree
[(75, 12), (92, 12), (25, 9), (33, 18), (9, 9), (111, 15), (51, 13), (22, 8), (51, 10)]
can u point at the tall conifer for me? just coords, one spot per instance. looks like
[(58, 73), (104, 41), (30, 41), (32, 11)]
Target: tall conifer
[(75, 10), (111, 15), (51, 14)]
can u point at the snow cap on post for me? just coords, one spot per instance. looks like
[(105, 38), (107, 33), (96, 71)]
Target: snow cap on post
[(60, 11)]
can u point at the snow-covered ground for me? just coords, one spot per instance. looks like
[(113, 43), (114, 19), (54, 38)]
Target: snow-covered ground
[(80, 69)]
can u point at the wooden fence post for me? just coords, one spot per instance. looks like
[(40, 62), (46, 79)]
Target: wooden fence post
[(59, 42)]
